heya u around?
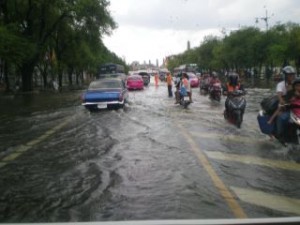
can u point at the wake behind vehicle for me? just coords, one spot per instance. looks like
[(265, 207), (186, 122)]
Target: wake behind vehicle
[(235, 105), (105, 93)]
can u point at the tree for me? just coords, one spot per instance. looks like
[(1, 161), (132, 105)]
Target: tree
[(43, 23)]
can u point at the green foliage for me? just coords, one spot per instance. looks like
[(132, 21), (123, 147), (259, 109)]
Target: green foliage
[(13, 48), (245, 48), (61, 33)]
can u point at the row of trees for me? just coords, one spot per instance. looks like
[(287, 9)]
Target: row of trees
[(246, 48), (57, 37)]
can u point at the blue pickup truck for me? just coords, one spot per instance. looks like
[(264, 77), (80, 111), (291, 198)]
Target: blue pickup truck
[(105, 93)]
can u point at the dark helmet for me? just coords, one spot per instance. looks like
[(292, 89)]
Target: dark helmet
[(296, 81), (179, 75), (288, 70), (184, 74), (233, 78)]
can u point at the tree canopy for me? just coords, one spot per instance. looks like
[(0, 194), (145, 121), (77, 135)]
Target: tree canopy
[(247, 47), (64, 35)]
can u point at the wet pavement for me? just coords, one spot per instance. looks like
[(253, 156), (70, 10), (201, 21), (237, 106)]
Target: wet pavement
[(151, 160)]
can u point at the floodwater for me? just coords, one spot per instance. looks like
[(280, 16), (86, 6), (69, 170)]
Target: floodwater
[(151, 160)]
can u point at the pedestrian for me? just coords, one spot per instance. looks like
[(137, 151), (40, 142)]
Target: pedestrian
[(169, 83), (156, 79)]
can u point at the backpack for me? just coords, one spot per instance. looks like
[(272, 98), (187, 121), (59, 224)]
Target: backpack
[(270, 104)]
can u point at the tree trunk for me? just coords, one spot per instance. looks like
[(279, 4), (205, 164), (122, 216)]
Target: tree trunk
[(60, 72), (6, 80), (27, 71), (70, 73), (27, 80), (77, 78), (45, 83)]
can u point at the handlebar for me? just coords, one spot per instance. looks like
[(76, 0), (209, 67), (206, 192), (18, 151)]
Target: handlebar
[(237, 93)]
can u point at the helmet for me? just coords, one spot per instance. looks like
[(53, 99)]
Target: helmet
[(214, 74), (179, 74), (288, 70), (184, 74), (296, 81), (233, 78)]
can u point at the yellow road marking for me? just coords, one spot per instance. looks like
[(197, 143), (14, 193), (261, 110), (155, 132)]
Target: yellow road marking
[(280, 203), (23, 148), (279, 164), (230, 137), (12, 156), (224, 191)]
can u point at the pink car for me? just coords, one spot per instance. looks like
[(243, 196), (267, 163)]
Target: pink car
[(194, 81), (135, 82)]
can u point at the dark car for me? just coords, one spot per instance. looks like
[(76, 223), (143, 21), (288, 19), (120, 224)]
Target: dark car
[(146, 77), (112, 75), (105, 93)]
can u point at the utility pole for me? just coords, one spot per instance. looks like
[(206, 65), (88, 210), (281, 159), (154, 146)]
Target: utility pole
[(266, 19)]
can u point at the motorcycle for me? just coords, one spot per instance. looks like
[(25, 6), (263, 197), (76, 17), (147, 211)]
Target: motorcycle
[(235, 105), (204, 86), (215, 92), (184, 98), (267, 117)]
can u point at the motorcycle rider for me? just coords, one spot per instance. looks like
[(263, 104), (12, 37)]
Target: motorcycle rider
[(182, 80), (295, 100), (214, 79), (233, 83), (284, 91), (205, 80), (177, 83), (187, 85)]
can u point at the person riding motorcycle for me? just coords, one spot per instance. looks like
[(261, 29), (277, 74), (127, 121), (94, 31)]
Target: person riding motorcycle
[(177, 83), (214, 80), (182, 80), (284, 90), (187, 85), (204, 83), (295, 100), (233, 83)]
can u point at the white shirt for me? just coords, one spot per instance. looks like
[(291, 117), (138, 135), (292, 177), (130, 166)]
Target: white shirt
[(281, 87)]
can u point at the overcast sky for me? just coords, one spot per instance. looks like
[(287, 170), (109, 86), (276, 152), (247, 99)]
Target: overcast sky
[(152, 29)]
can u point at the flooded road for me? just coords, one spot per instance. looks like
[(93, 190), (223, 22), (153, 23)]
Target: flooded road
[(151, 160)]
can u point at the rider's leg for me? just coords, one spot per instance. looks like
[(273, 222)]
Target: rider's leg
[(281, 123)]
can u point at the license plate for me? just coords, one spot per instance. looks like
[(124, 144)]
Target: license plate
[(101, 106), (186, 98)]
